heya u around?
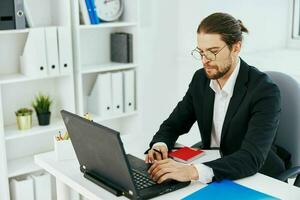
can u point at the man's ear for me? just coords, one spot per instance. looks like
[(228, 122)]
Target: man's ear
[(236, 48)]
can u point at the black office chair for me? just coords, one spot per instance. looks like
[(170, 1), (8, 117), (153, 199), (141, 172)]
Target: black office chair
[(288, 133)]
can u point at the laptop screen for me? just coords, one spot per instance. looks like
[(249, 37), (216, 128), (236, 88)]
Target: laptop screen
[(99, 149)]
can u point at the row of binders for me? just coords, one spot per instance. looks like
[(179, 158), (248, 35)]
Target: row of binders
[(47, 52), (33, 187), (113, 94)]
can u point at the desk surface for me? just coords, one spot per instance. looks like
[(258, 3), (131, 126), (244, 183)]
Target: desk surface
[(68, 172)]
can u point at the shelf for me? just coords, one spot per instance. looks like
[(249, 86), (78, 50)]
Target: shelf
[(99, 119), (107, 67), (14, 78), (21, 166), (107, 25), (11, 132), (13, 31)]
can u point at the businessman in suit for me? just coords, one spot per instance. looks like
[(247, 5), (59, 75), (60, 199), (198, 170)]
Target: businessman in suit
[(236, 107)]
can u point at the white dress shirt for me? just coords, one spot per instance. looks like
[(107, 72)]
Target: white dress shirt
[(222, 99)]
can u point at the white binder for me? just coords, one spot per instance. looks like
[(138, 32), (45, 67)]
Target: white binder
[(42, 186), (117, 93), (84, 13), (22, 189), (129, 91), (100, 101), (33, 60), (52, 51), (64, 50)]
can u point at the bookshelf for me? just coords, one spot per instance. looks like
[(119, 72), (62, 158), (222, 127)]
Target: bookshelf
[(17, 90), (92, 54)]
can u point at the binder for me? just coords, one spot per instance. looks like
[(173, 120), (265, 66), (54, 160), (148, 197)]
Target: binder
[(64, 50), (19, 14), (84, 13), (90, 10), (12, 14), (22, 188), (100, 98), (37, 13), (129, 90), (94, 12), (33, 60), (117, 93), (52, 51), (42, 186)]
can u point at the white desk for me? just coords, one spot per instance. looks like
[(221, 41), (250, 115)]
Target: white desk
[(68, 173)]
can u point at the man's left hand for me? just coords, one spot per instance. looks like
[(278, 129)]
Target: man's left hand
[(169, 169)]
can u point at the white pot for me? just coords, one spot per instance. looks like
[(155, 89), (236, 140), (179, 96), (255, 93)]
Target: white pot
[(64, 149)]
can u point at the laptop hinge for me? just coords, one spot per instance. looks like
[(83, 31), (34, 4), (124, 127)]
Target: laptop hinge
[(103, 183)]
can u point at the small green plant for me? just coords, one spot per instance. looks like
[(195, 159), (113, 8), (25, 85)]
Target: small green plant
[(42, 104), (23, 112)]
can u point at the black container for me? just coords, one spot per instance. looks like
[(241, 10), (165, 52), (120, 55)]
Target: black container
[(44, 118)]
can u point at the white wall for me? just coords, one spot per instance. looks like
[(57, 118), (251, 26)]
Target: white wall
[(168, 34)]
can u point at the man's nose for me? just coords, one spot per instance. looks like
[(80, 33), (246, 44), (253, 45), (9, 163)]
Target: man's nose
[(204, 60)]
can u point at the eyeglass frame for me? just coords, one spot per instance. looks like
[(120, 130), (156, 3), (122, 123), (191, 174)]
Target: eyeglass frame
[(202, 54)]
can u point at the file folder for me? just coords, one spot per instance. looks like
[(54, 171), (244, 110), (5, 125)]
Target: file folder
[(228, 190), (117, 93), (38, 13), (42, 186), (19, 14), (52, 51), (100, 99), (33, 60), (12, 14), (64, 50), (129, 90), (22, 188), (85, 18)]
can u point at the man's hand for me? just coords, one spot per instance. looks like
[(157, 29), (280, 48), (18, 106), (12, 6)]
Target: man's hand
[(157, 152), (170, 169)]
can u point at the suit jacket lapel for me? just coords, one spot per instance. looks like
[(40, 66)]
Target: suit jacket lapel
[(208, 105), (239, 92)]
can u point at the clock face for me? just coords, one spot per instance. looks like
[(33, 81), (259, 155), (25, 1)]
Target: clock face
[(109, 10)]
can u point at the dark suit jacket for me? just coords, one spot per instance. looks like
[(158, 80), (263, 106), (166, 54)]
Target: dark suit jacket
[(249, 127)]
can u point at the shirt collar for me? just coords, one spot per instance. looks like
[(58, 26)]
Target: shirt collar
[(227, 89)]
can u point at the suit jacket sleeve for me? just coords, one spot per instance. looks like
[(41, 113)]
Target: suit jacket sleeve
[(263, 122), (180, 120)]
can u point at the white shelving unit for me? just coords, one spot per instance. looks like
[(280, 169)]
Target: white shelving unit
[(17, 90), (92, 53)]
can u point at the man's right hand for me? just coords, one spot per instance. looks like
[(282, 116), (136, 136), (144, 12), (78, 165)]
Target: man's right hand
[(157, 152)]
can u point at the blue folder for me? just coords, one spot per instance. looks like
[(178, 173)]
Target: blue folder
[(228, 190)]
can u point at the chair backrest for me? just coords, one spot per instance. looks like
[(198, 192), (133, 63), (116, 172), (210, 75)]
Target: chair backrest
[(288, 134)]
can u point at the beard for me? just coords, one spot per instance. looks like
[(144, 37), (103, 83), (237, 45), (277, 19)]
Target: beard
[(218, 74)]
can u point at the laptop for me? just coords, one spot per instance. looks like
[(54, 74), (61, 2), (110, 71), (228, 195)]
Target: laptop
[(103, 160)]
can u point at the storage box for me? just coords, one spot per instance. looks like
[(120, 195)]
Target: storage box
[(22, 188), (64, 149), (42, 186)]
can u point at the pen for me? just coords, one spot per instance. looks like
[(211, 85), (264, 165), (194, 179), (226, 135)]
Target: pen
[(158, 151)]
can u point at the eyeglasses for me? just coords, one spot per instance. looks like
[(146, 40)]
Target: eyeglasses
[(198, 55)]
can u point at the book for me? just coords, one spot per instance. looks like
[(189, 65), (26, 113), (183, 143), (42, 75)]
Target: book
[(186, 154), (228, 190)]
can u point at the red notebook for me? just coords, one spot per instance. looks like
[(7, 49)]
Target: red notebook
[(186, 154)]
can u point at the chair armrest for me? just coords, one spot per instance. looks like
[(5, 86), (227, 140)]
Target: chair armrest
[(289, 173)]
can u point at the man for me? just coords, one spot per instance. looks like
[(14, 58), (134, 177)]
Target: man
[(236, 106)]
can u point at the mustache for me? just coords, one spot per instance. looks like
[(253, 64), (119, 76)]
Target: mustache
[(210, 66)]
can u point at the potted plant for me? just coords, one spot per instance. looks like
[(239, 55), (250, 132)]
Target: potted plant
[(41, 105), (24, 118)]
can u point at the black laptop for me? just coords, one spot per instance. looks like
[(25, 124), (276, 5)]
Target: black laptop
[(103, 160)]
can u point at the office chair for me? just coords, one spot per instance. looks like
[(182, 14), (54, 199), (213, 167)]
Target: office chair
[(288, 133)]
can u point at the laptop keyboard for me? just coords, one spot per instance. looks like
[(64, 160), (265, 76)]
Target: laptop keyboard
[(141, 180)]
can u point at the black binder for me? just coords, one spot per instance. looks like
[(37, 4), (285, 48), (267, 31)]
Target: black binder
[(12, 14)]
